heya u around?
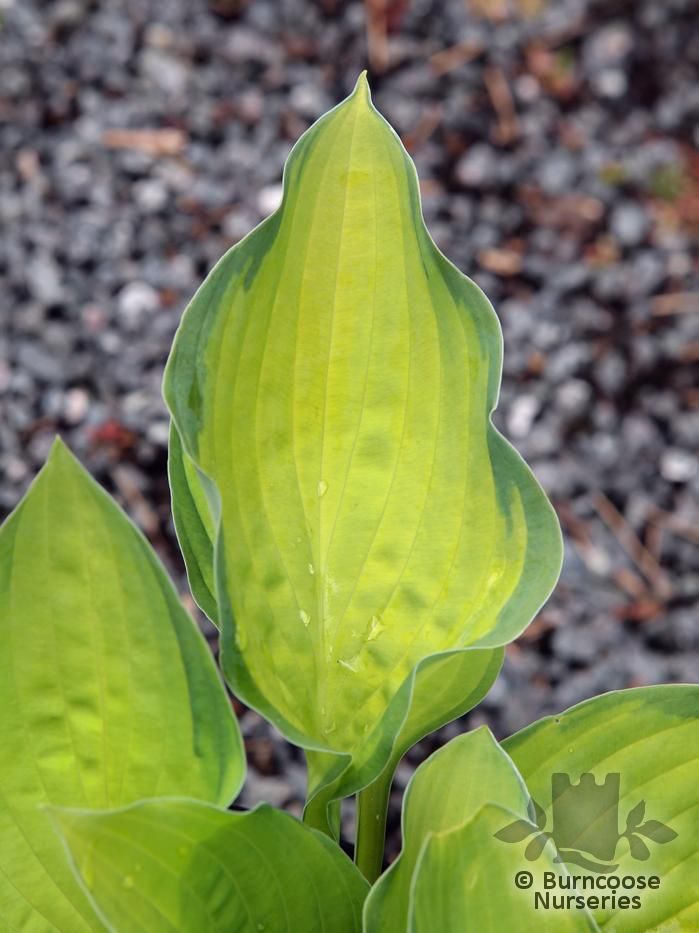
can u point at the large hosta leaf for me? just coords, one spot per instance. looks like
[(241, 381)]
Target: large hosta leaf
[(107, 691), (650, 737), (331, 384), (442, 687), (169, 866)]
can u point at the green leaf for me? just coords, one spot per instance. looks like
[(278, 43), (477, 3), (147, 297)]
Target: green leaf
[(178, 866), (108, 692), (445, 791), (194, 524), (465, 883), (446, 686), (649, 736), (332, 382), (441, 688)]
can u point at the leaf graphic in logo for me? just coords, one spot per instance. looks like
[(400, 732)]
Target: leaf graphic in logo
[(536, 846), (536, 813), (657, 831), (633, 820), (639, 850), (516, 832)]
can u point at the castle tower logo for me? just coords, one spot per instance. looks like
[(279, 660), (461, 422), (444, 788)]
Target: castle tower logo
[(585, 824)]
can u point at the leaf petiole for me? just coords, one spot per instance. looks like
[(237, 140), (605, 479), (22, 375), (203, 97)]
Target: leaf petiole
[(372, 809)]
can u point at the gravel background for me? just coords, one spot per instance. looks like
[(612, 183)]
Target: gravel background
[(557, 143)]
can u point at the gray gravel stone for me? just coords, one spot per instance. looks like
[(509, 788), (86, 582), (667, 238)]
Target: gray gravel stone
[(629, 223)]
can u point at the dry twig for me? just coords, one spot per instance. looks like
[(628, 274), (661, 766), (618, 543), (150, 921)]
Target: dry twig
[(501, 97), (632, 545), (675, 303), (155, 142), (454, 57)]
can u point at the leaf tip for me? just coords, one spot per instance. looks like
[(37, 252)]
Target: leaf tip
[(58, 447), (61, 457), (362, 91)]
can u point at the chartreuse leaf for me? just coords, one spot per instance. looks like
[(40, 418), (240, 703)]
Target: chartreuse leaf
[(447, 686), (455, 804), (107, 690), (465, 883), (443, 686), (650, 737), (332, 383), (178, 866)]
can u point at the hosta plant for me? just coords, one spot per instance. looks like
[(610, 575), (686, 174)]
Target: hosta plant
[(367, 543)]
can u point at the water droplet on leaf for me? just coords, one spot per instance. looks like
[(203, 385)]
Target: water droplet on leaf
[(375, 628), (305, 618), (322, 488)]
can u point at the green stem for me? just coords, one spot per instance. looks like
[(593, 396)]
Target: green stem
[(372, 808)]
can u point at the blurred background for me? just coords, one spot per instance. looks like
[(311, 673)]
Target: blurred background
[(557, 143)]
